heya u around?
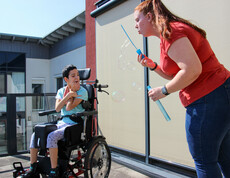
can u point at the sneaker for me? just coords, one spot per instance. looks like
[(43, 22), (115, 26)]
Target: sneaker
[(54, 173), (32, 172)]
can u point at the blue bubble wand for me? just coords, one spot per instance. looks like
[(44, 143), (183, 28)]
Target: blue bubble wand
[(161, 107), (137, 50)]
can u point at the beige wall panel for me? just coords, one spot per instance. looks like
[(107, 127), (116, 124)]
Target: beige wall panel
[(168, 140), (213, 17), (121, 114)]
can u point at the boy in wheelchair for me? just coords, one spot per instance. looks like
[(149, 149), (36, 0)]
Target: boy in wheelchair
[(68, 101)]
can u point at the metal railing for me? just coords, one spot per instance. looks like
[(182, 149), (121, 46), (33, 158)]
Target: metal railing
[(18, 115)]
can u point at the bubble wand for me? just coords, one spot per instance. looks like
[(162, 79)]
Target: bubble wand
[(137, 50), (161, 107)]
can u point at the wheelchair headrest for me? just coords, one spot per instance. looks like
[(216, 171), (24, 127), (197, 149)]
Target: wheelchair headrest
[(84, 73)]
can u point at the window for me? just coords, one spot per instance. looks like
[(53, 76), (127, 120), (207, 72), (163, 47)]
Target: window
[(59, 83), (2, 105), (12, 72), (16, 82), (37, 101), (2, 86)]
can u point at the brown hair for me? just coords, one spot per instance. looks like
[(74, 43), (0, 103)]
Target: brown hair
[(162, 17)]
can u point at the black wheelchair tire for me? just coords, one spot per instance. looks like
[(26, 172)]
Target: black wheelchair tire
[(44, 176), (97, 156)]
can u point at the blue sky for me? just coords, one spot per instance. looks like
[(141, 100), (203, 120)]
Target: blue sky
[(37, 18)]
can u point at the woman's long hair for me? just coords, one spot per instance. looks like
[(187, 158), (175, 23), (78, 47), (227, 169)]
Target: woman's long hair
[(162, 17)]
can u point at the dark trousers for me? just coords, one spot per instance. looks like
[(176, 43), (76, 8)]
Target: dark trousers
[(208, 133)]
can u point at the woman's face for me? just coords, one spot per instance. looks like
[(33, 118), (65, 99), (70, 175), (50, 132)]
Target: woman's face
[(140, 22), (144, 24)]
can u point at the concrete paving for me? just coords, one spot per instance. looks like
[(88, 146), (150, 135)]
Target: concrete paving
[(122, 167), (117, 170)]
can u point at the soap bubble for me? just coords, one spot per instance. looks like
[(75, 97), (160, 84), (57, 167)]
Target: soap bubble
[(131, 66), (125, 44), (137, 86), (118, 96), (122, 62)]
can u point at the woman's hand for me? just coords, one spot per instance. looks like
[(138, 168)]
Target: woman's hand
[(146, 62), (156, 94)]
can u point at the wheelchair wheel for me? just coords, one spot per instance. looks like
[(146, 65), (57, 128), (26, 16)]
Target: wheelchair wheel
[(44, 176), (98, 159)]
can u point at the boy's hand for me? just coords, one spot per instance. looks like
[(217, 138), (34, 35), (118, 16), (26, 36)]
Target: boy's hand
[(73, 94)]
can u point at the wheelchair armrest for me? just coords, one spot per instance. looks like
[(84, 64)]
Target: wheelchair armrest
[(41, 132), (47, 112), (86, 113)]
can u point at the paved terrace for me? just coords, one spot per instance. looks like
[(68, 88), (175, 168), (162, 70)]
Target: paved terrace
[(122, 167)]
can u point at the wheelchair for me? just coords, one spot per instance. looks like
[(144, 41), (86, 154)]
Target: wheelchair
[(83, 151)]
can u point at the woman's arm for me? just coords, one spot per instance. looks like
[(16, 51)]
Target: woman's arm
[(162, 74), (183, 53)]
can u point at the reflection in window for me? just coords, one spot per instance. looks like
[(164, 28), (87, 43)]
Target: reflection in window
[(2, 104), (37, 101), (3, 140), (20, 104), (21, 132), (2, 86), (59, 83), (16, 82)]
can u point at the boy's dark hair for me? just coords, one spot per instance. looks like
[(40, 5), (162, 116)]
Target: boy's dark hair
[(67, 69)]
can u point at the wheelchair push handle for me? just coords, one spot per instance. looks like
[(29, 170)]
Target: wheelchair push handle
[(100, 86)]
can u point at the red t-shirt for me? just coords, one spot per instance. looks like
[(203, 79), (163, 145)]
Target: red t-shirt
[(213, 73)]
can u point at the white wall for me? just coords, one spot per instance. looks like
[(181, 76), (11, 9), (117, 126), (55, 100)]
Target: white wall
[(38, 69), (49, 70), (76, 57)]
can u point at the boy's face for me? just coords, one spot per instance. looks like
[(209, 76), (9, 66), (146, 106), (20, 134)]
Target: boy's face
[(73, 81)]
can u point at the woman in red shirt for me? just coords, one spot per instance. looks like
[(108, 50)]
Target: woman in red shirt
[(188, 61)]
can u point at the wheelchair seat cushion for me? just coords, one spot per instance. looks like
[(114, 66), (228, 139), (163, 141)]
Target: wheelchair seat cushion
[(72, 134), (41, 133)]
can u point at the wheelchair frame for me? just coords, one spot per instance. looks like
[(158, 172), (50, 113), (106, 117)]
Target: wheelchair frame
[(82, 151)]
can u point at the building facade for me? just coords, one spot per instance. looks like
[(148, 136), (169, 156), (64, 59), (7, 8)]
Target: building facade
[(31, 74), (131, 123)]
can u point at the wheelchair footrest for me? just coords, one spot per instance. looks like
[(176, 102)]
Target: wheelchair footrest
[(19, 170)]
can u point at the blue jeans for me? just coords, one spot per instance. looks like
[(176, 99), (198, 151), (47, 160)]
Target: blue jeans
[(208, 133)]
